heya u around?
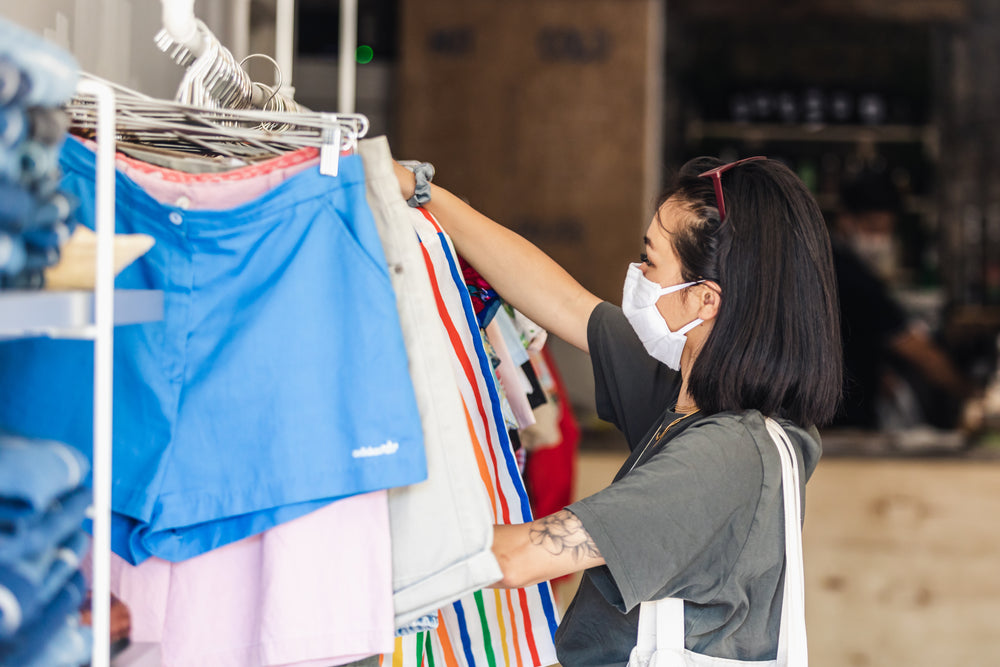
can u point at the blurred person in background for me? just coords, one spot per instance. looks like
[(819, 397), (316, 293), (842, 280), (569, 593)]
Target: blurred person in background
[(895, 373)]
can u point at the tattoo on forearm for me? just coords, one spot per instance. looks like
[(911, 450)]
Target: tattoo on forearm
[(562, 532)]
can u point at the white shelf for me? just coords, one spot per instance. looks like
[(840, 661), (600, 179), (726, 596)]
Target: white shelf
[(70, 314)]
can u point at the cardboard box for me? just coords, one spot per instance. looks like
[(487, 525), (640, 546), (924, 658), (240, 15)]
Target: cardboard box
[(544, 115)]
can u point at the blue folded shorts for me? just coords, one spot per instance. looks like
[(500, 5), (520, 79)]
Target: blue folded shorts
[(276, 383)]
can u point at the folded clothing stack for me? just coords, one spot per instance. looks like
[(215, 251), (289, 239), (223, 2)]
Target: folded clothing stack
[(36, 218), (43, 504)]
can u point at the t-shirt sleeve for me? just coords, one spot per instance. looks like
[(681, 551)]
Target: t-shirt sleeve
[(632, 388), (666, 530)]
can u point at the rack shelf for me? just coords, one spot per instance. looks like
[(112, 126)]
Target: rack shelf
[(763, 132), (70, 314)]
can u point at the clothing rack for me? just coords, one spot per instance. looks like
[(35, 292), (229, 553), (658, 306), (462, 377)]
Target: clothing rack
[(96, 109), (181, 28), (346, 64), (99, 112), (84, 315), (112, 111), (104, 308)]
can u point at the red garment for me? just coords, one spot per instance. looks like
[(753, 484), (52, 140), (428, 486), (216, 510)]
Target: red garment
[(549, 472)]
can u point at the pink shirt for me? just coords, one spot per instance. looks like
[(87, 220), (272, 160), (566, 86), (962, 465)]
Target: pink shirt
[(316, 590), (228, 189)]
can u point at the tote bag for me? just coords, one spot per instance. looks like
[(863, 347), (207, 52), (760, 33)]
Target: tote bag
[(660, 639)]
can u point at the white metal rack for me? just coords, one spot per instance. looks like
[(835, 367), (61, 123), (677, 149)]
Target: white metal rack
[(104, 318), (91, 316)]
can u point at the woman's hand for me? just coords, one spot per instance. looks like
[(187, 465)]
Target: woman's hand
[(407, 181)]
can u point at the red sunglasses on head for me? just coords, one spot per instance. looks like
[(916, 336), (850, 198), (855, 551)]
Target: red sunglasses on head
[(716, 176)]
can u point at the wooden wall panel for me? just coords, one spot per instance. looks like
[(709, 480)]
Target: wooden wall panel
[(544, 114)]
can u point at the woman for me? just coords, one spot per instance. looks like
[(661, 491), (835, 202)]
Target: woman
[(730, 316)]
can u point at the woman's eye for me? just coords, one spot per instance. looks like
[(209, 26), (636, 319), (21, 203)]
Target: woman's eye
[(644, 258)]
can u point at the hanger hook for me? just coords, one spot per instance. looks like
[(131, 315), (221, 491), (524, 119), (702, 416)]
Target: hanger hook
[(278, 78)]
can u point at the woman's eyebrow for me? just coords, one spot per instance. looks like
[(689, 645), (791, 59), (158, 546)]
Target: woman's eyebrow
[(647, 242)]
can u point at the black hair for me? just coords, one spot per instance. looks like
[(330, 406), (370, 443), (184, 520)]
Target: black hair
[(775, 345)]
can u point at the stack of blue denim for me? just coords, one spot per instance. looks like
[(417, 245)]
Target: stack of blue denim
[(43, 504), (36, 79)]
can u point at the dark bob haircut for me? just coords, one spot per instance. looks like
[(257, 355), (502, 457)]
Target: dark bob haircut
[(775, 346)]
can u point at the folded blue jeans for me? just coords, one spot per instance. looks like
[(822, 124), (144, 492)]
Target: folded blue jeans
[(18, 206), (34, 473), (13, 128), (26, 587), (36, 161), (47, 531), (69, 556), (42, 567), (33, 637), (422, 624), (50, 73), (13, 254), (14, 84), (70, 646)]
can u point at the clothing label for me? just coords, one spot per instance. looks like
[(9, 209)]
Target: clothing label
[(385, 449)]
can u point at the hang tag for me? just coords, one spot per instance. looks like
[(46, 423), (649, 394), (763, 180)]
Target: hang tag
[(329, 152)]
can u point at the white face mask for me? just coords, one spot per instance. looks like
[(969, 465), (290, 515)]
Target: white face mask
[(639, 305), (878, 252)]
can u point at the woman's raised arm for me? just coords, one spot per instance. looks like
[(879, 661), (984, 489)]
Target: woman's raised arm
[(519, 271)]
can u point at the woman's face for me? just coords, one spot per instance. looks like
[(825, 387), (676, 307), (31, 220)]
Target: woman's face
[(662, 266)]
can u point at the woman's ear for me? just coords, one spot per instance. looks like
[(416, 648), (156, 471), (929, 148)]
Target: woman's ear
[(710, 300)]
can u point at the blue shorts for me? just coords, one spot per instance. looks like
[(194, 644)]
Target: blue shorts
[(276, 383)]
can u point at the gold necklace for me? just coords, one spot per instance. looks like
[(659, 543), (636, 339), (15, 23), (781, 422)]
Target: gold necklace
[(660, 432)]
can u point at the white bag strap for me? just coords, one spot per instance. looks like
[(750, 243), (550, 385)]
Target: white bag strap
[(792, 646), (661, 623), (661, 627), (645, 641), (670, 624)]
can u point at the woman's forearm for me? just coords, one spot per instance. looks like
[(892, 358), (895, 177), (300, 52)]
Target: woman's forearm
[(520, 272), (543, 549)]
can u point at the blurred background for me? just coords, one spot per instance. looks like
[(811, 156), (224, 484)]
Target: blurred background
[(563, 118)]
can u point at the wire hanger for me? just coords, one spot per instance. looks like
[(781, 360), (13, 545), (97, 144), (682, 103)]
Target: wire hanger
[(239, 133), (215, 78), (218, 110)]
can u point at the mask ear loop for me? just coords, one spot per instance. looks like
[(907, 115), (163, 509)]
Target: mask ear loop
[(677, 288), (691, 325)]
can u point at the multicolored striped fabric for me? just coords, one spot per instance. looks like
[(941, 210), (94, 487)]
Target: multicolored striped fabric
[(490, 628)]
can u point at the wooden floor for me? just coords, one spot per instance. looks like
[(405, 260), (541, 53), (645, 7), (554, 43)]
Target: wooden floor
[(902, 560)]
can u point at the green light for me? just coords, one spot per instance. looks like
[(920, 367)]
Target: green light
[(364, 54)]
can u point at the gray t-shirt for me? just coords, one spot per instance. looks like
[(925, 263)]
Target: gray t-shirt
[(700, 516)]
